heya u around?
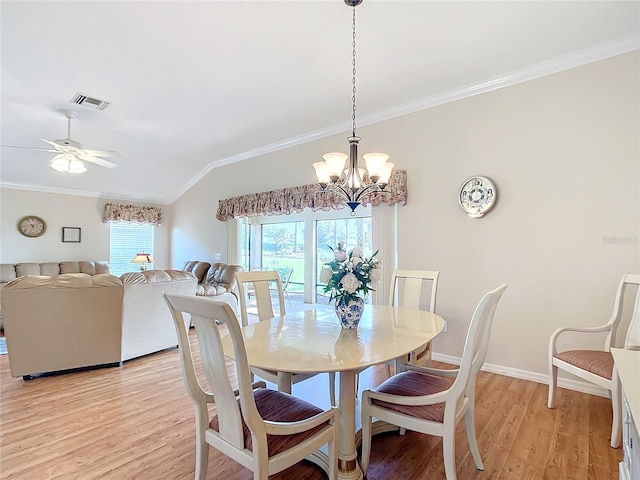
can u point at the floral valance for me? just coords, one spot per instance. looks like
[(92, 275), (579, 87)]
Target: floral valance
[(117, 212), (296, 199)]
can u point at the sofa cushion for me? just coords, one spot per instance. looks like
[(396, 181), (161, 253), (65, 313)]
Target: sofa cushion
[(50, 268), (200, 270), (28, 269), (65, 280), (210, 290), (7, 273), (155, 276)]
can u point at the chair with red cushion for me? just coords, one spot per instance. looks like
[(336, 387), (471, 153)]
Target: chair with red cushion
[(432, 401), (596, 366), (264, 430)]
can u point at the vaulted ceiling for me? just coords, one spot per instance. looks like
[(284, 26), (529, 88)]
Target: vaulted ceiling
[(195, 85)]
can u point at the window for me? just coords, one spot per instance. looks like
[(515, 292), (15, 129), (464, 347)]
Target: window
[(283, 250), (299, 242), (127, 240), (354, 231)]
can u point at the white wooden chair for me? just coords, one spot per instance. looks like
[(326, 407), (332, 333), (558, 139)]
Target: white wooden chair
[(261, 284), (264, 430), (406, 291), (596, 366), (433, 401)]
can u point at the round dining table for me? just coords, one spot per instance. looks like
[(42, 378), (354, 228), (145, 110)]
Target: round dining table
[(313, 341)]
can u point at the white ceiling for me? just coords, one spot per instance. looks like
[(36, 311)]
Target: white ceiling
[(195, 85)]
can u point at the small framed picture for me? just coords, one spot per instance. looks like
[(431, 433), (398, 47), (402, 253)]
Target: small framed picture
[(71, 234)]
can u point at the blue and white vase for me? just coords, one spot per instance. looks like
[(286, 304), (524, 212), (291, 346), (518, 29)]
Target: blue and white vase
[(350, 312)]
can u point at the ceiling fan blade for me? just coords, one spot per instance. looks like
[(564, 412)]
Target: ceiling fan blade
[(102, 153), (31, 148), (49, 142), (98, 161)]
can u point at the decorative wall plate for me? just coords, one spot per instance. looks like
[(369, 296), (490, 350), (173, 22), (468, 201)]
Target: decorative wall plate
[(477, 196)]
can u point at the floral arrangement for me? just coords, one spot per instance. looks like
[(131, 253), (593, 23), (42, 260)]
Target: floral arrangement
[(349, 275)]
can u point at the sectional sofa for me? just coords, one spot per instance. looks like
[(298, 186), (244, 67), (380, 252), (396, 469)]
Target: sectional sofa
[(74, 320), (217, 281)]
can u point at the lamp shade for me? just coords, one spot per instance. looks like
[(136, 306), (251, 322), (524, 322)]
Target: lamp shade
[(335, 163), (142, 258), (322, 172), (375, 164)]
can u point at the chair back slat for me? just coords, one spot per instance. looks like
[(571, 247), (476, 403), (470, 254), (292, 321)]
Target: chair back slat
[(633, 333), (477, 342), (261, 282), (208, 317), (409, 294), (628, 280), (193, 386)]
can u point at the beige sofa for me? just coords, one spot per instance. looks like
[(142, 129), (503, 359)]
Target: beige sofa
[(217, 280), (9, 271), (55, 323)]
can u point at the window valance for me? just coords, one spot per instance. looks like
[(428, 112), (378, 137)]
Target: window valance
[(296, 199), (118, 212)]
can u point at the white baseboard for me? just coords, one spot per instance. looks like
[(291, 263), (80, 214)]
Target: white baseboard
[(568, 383)]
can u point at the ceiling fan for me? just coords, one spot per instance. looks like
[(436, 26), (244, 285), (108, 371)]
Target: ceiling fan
[(71, 153)]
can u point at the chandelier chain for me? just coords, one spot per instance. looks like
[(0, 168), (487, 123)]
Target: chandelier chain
[(353, 78)]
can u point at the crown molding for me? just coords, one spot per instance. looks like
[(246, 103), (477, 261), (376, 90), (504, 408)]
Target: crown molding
[(599, 52), (79, 193), (593, 54)]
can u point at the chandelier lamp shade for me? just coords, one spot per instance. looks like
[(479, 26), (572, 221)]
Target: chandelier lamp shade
[(143, 258), (340, 172), (67, 163)]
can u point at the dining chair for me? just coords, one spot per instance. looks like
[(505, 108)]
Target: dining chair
[(264, 430), (285, 285), (596, 366), (261, 284), (406, 290), (432, 401)]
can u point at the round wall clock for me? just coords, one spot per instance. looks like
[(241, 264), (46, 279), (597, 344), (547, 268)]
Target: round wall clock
[(477, 196), (32, 226)]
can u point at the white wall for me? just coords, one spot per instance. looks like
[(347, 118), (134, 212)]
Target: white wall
[(563, 151), (62, 211)]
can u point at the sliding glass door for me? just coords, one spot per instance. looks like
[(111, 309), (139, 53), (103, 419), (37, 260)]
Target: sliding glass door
[(283, 250), (354, 232), (298, 245)]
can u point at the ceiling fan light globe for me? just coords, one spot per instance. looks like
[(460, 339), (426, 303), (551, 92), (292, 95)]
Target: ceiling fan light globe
[(67, 164), (76, 166)]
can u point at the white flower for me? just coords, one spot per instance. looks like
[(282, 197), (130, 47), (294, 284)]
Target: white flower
[(356, 252), (350, 283), (340, 255), (355, 261), (374, 275), (325, 274)]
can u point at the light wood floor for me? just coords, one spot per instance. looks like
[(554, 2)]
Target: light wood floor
[(137, 422)]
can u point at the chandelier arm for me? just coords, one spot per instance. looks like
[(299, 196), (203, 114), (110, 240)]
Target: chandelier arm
[(368, 189), (348, 195)]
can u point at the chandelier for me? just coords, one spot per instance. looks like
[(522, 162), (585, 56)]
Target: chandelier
[(353, 182)]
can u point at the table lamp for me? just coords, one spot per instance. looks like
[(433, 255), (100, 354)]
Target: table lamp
[(143, 258)]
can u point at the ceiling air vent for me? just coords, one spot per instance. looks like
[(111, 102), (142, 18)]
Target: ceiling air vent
[(80, 99)]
